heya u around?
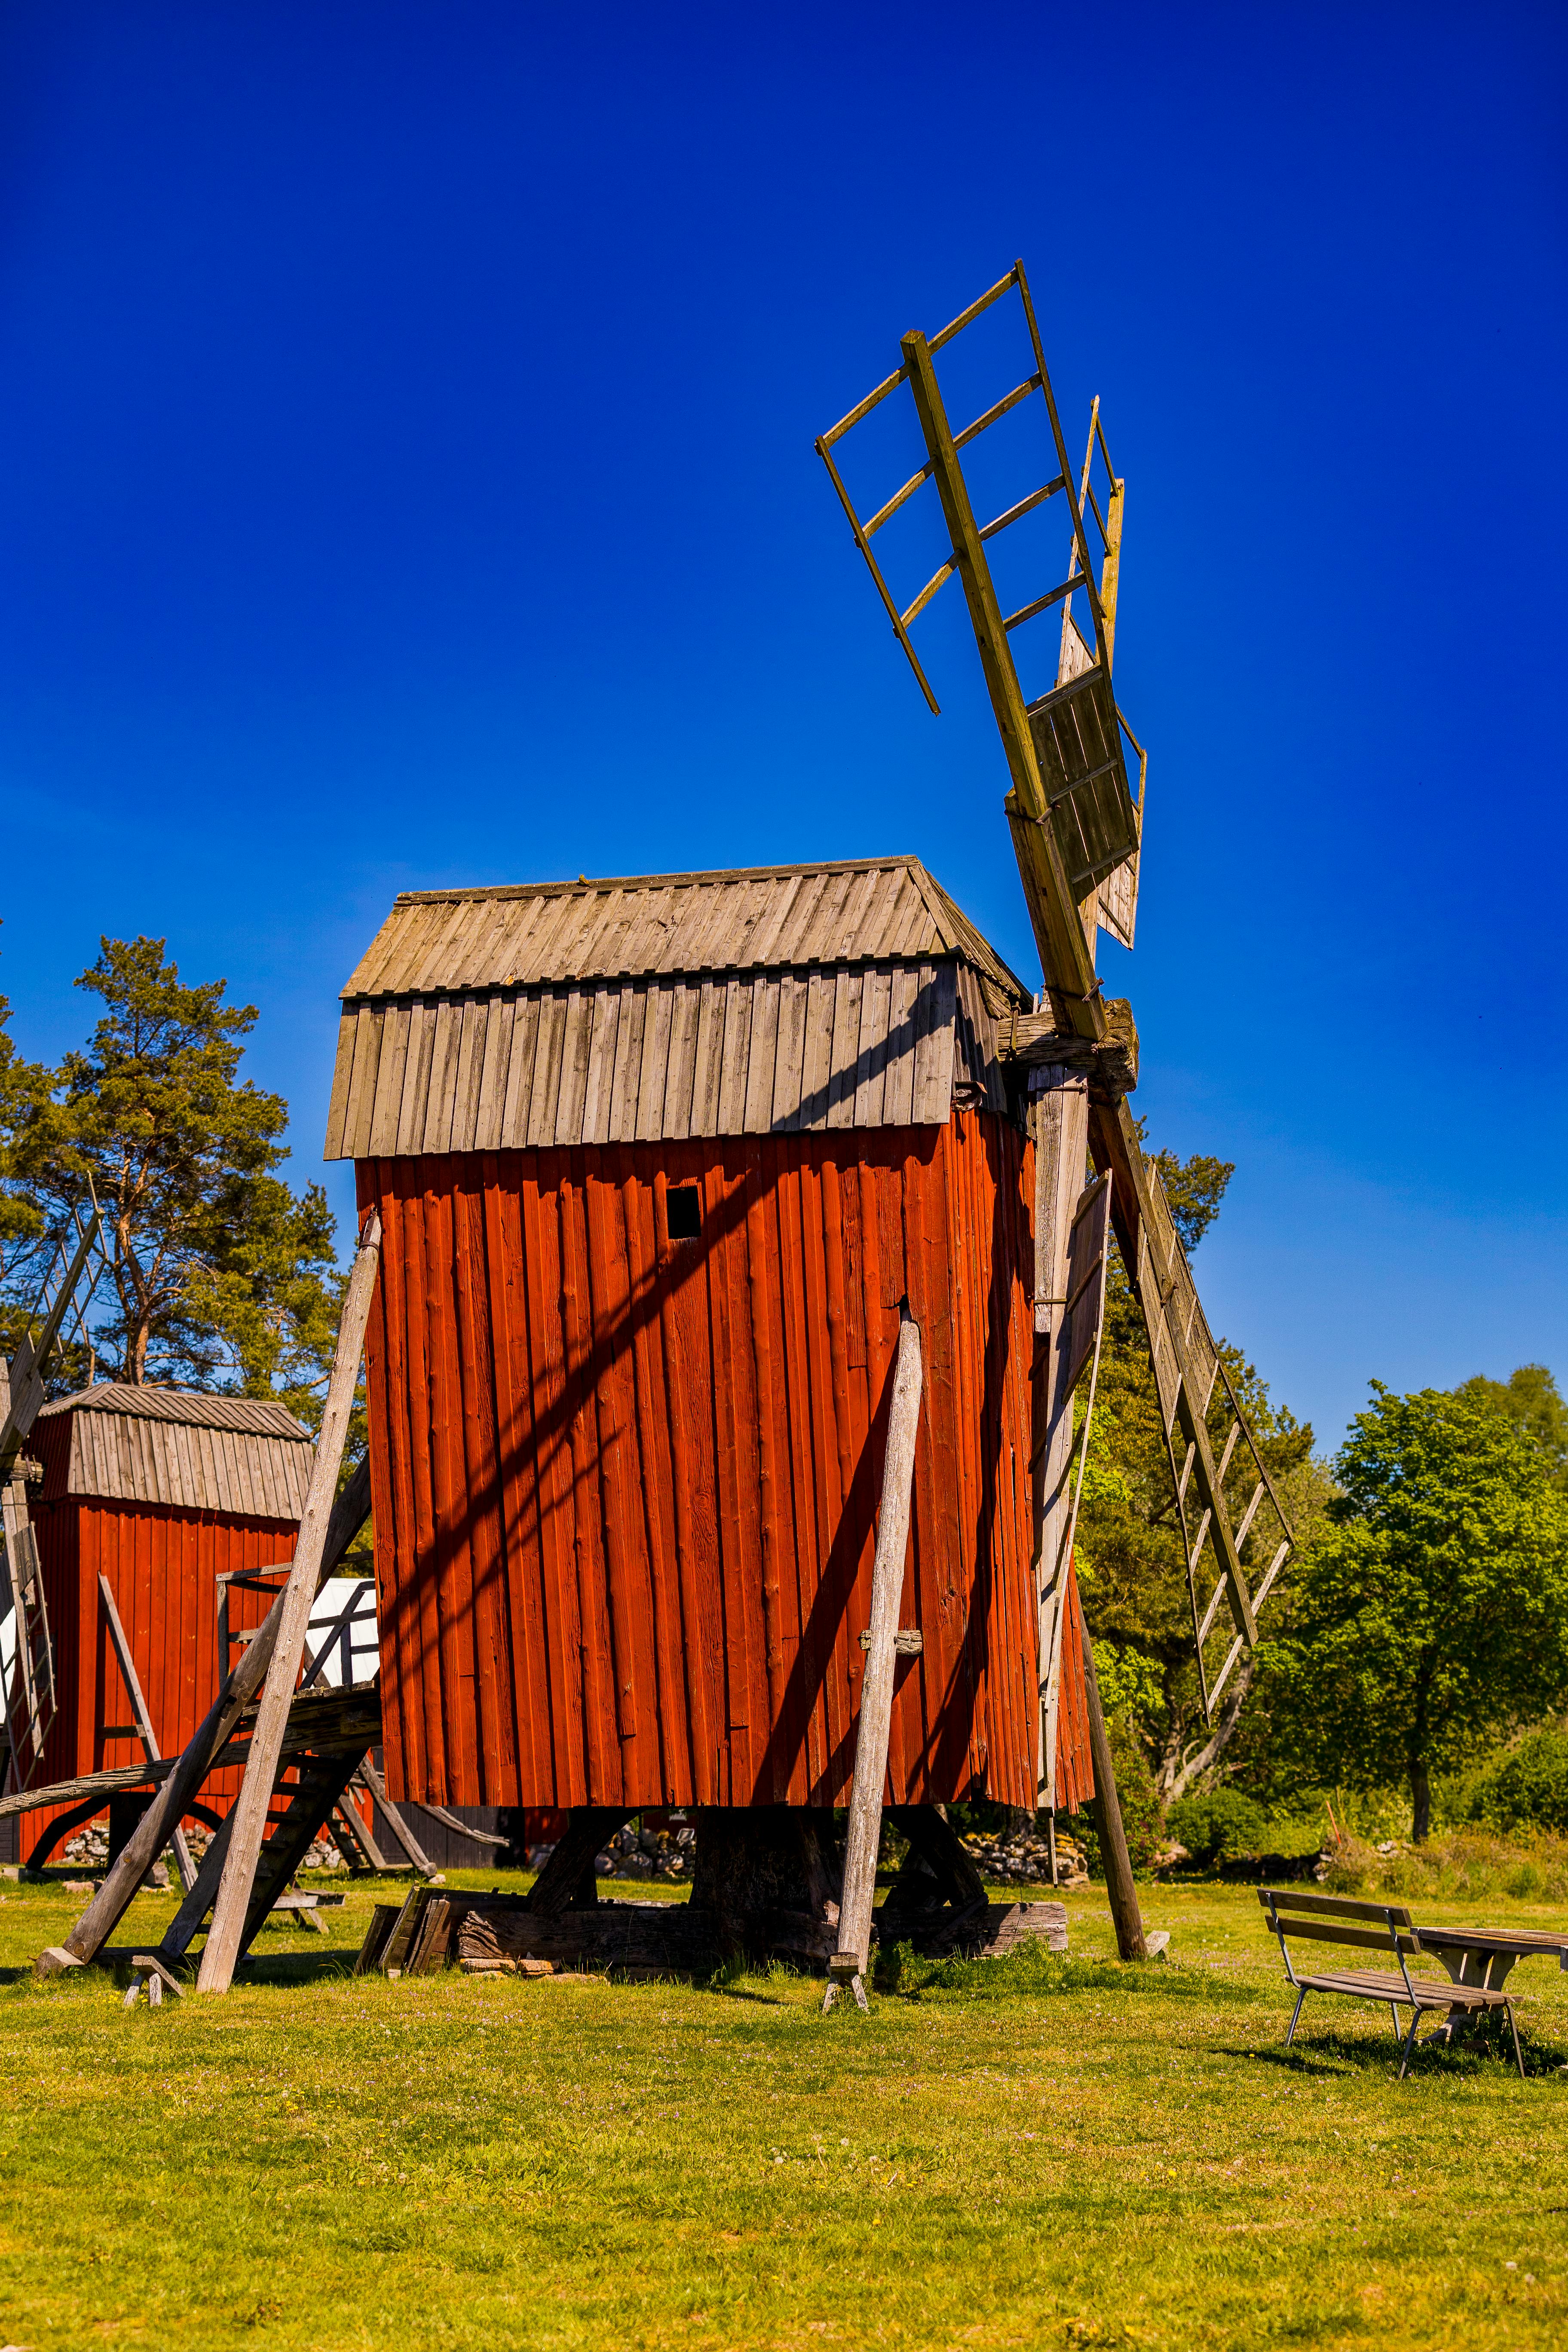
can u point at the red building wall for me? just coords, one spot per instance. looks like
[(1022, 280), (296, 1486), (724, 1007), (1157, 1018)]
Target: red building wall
[(625, 1489), (163, 1567)]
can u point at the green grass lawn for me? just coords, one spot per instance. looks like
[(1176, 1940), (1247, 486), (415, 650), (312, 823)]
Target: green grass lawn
[(1020, 2152)]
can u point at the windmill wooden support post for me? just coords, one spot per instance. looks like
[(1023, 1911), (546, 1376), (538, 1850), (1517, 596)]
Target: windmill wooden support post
[(292, 1616), (396, 1819), (848, 1965), (1060, 1106), (1059, 1118)]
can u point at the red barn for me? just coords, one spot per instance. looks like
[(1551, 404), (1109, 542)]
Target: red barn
[(164, 1492), (657, 1162)]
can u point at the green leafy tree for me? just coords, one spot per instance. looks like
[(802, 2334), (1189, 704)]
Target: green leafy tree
[(1435, 1612), (1529, 1399), (222, 1274), (1132, 1569)]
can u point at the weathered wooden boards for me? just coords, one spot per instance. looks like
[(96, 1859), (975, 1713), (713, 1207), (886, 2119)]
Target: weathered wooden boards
[(1058, 1106), (438, 1928), (850, 1961), (637, 1570), (183, 1780), (1071, 1243), (1033, 1040), (178, 1450), (656, 1009)]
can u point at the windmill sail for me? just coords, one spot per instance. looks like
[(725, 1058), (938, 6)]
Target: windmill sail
[(1198, 1407), (1077, 831), (57, 1318)]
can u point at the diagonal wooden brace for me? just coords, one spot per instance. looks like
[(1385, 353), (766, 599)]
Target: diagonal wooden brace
[(152, 1832), (291, 1615)]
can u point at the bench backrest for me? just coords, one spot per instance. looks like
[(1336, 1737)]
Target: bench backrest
[(1338, 1920)]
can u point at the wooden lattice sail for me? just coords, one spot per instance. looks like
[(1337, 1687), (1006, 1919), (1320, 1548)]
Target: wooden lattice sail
[(1076, 826)]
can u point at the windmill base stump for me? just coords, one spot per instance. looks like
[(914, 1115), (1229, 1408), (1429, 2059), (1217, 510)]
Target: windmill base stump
[(766, 1887)]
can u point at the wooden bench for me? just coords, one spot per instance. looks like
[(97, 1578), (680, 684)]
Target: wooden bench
[(1376, 1928)]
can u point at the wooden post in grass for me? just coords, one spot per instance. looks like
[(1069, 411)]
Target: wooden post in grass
[(848, 1964), (292, 1615), (1059, 1110), (1124, 1911)]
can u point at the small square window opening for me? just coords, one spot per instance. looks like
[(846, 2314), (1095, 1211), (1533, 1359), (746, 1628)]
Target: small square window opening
[(683, 1206)]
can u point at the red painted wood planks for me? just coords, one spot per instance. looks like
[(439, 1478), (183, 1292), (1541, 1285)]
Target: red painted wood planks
[(626, 1488), (1075, 1766), (162, 1565)]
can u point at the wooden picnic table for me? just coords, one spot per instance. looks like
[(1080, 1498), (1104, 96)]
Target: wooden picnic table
[(1485, 1955)]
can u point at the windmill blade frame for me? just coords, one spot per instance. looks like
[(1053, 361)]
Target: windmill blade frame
[(1077, 836), (1064, 749), (78, 1264)]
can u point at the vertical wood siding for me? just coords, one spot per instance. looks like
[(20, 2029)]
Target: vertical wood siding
[(626, 1489), (162, 1565)]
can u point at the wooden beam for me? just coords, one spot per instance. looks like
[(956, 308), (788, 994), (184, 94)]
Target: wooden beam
[(88, 1784), (1065, 959), (1059, 1116), (200, 1896), (316, 1665), (1035, 1041), (849, 1963), (1113, 1138), (396, 1820), (292, 1614), (1127, 1917), (348, 1827), (1111, 573)]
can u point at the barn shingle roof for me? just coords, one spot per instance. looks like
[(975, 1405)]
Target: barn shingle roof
[(755, 919), (768, 999), (186, 1449)]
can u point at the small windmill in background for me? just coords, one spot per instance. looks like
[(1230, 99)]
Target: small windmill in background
[(1076, 825), (56, 1322)]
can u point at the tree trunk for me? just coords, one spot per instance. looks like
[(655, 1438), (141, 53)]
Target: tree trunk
[(1420, 1786), (1177, 1772), (1421, 1801)]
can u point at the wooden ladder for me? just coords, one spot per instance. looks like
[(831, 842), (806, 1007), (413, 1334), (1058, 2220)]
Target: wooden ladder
[(57, 1315), (299, 1808)]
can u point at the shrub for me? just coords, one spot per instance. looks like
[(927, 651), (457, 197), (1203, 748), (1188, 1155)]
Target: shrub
[(1456, 1865), (1526, 1788), (1215, 1827)]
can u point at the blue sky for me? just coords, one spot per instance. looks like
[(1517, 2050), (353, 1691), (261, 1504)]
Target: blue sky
[(406, 479)]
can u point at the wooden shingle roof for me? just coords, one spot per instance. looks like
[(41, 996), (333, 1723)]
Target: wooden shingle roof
[(755, 918), (772, 999), (186, 1449)]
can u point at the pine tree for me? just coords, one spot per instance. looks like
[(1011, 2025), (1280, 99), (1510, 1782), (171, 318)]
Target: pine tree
[(222, 1276)]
